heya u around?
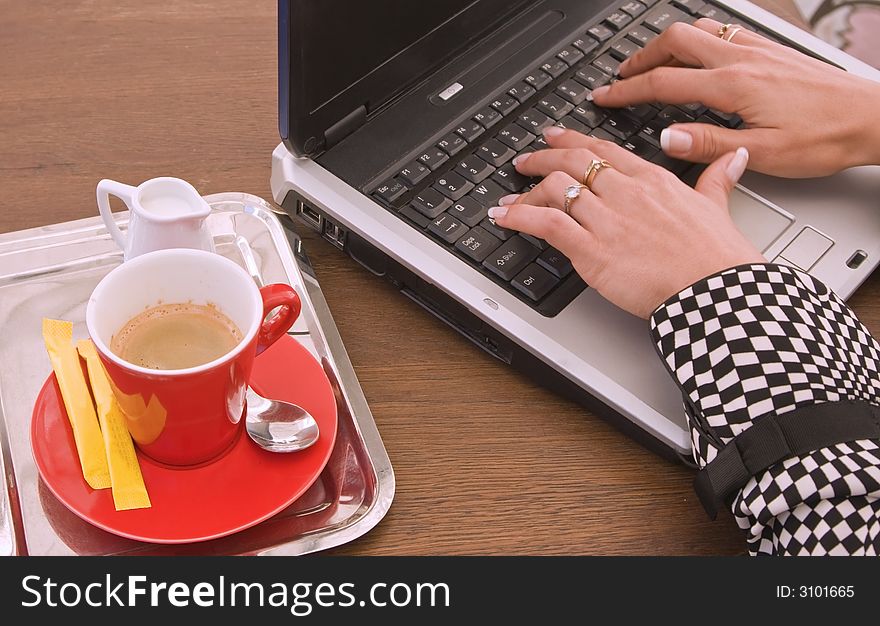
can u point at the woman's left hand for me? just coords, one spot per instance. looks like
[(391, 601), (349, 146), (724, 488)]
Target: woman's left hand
[(640, 235)]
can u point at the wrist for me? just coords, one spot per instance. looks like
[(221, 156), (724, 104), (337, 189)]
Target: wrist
[(863, 141)]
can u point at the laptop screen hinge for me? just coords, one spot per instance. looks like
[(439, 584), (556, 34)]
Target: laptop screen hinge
[(346, 126)]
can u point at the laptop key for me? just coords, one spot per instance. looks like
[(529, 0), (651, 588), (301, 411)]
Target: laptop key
[(731, 120), (570, 55), (673, 165), (640, 35), (589, 114), (417, 218), (474, 168), (620, 125), (604, 135), (694, 109), (470, 130), (515, 136), (534, 121), (447, 228), (719, 15), (433, 158), (534, 281), (477, 244), (600, 33), (634, 8), (571, 123), (430, 203), (538, 79), (468, 211), (504, 104), (642, 112), (510, 258), (538, 243), (522, 91), (617, 20), (691, 6), (453, 186), (592, 77), (488, 117), (585, 44), (572, 91), (664, 17), (554, 106), (509, 178), (651, 132), (452, 144), (673, 115), (555, 262), (607, 64), (488, 193), (640, 146), (413, 173), (623, 49), (502, 233), (495, 152), (554, 66), (390, 190)]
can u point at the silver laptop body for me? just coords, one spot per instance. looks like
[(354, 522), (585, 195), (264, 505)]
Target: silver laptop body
[(591, 350)]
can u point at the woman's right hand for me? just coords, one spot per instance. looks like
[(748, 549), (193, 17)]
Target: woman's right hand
[(803, 117)]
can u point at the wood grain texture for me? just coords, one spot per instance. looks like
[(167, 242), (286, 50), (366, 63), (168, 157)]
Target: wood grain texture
[(486, 462)]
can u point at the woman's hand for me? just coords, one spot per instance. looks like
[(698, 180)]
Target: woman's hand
[(803, 117), (641, 235)]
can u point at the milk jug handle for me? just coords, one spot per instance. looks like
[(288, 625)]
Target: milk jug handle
[(107, 188)]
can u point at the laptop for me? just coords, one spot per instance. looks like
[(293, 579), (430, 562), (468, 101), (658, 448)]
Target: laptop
[(399, 121)]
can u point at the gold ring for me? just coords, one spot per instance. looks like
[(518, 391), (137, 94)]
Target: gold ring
[(572, 192), (723, 29), (590, 175), (731, 33)]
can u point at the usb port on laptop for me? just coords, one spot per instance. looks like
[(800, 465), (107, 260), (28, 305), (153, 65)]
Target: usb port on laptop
[(309, 216)]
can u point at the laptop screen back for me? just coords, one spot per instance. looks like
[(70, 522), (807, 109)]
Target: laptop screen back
[(337, 56)]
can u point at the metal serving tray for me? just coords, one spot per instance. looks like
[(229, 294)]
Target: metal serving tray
[(50, 272)]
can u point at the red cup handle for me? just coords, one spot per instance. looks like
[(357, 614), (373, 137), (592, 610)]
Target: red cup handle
[(274, 296)]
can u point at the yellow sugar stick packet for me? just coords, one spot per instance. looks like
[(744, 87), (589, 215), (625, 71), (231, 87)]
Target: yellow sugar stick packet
[(58, 335), (129, 491)]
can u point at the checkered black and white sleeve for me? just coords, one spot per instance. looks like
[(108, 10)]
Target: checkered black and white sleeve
[(760, 339)]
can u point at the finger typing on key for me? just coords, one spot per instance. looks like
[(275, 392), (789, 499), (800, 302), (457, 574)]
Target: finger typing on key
[(802, 117)]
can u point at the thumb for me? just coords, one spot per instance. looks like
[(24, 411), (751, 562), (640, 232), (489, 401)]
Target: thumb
[(718, 180), (702, 143)]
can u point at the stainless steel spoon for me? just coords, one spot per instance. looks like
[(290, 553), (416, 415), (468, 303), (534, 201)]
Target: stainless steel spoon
[(279, 426)]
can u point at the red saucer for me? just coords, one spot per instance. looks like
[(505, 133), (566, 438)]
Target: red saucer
[(236, 491)]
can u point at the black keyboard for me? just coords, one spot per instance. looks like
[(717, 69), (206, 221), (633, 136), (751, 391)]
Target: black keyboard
[(447, 190)]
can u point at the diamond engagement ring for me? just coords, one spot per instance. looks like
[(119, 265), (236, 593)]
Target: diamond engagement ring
[(571, 194)]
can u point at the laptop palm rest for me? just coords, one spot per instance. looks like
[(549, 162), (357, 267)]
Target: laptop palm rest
[(758, 220)]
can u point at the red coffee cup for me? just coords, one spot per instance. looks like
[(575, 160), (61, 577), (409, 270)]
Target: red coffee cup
[(187, 416)]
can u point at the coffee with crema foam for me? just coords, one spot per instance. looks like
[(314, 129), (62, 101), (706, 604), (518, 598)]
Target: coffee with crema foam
[(176, 336)]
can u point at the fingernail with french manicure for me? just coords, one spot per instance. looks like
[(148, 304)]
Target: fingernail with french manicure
[(521, 158), (553, 131), (737, 165), (508, 199), (598, 91), (497, 212), (675, 141)]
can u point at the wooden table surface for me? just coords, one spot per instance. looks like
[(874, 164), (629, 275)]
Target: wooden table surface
[(486, 461)]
